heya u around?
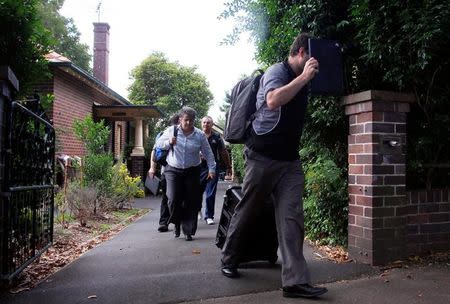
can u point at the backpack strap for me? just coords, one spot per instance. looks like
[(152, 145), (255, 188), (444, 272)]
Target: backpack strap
[(253, 116), (175, 134), (258, 71)]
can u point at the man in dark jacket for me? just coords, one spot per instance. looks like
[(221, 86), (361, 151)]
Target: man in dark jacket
[(210, 186)]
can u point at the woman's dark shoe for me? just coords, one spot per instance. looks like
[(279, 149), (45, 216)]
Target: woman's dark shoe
[(163, 228), (303, 291), (230, 272), (176, 232), (188, 237)]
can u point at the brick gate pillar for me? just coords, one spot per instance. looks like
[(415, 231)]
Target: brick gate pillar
[(376, 180), (9, 86)]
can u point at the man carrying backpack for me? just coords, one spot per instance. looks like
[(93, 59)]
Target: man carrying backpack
[(164, 208), (273, 169)]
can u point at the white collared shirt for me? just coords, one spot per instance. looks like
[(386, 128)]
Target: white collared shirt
[(186, 152)]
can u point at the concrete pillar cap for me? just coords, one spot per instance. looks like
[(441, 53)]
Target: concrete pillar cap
[(372, 95)]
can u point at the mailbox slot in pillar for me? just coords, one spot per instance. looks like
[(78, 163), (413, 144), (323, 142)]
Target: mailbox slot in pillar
[(391, 144)]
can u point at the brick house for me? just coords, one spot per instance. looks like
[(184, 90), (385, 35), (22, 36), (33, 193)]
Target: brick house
[(77, 94)]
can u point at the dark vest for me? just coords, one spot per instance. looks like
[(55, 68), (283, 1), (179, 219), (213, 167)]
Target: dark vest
[(216, 144), (283, 142)]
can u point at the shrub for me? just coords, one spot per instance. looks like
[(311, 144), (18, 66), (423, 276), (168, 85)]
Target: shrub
[(97, 163), (123, 186), (94, 135), (98, 171), (82, 201), (237, 154), (61, 204), (325, 200)]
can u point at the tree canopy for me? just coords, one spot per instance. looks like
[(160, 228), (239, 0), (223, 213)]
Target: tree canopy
[(386, 46), (23, 41), (65, 35), (389, 46), (29, 29), (169, 85), (406, 47)]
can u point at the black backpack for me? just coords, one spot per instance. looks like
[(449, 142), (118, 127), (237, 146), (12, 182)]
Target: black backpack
[(243, 107), (160, 155)]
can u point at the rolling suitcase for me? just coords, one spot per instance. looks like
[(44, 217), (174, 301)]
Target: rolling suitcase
[(262, 242)]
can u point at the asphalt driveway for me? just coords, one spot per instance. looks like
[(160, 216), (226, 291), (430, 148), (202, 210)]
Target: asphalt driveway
[(141, 265)]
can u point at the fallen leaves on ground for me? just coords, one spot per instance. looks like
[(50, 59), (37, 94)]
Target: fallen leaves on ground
[(337, 254), (68, 244), (428, 259)]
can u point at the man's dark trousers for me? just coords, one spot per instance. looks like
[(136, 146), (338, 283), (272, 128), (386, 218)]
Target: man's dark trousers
[(164, 209), (284, 180)]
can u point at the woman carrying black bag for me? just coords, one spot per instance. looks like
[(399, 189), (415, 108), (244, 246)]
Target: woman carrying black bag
[(183, 171)]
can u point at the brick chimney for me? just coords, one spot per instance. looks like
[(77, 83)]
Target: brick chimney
[(101, 51)]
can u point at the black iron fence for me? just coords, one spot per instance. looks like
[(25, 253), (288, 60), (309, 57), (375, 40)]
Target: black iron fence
[(26, 206)]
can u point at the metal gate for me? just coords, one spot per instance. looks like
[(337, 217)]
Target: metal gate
[(26, 210)]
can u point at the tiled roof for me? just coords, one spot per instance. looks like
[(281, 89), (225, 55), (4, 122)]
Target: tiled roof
[(55, 57), (64, 63)]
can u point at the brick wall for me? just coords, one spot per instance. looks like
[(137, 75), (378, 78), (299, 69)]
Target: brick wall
[(386, 222), (72, 101), (137, 167), (45, 87), (428, 221)]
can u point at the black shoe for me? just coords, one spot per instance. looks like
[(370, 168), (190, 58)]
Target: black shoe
[(230, 272), (163, 228), (176, 232), (303, 291), (188, 237)]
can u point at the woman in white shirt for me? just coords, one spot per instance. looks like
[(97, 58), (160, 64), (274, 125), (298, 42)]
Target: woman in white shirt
[(183, 171)]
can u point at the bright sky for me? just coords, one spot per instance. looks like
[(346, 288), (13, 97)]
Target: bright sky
[(187, 31)]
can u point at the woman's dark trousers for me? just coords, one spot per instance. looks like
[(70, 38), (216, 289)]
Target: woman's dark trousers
[(183, 187)]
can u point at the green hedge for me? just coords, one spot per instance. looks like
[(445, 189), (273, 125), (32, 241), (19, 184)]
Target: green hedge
[(237, 154)]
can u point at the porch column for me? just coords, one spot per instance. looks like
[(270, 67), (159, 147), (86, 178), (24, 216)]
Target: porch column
[(376, 180), (138, 154), (146, 132)]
